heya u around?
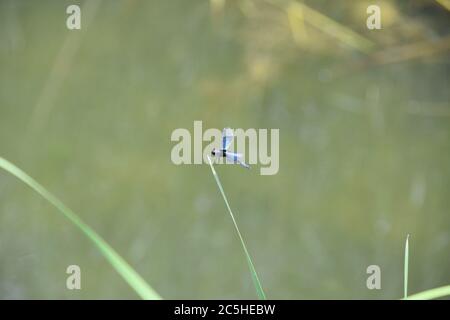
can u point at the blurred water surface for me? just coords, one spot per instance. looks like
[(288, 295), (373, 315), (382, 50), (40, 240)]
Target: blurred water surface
[(364, 147)]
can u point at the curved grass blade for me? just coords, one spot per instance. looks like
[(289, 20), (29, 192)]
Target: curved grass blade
[(119, 264), (424, 295), (431, 294), (405, 270), (256, 282)]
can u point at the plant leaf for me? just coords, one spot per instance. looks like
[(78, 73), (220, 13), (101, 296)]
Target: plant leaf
[(405, 269), (431, 294), (256, 282), (122, 267)]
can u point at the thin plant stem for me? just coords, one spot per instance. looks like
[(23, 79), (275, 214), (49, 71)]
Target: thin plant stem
[(256, 282)]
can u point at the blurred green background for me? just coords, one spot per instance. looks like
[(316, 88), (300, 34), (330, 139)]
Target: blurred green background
[(364, 121)]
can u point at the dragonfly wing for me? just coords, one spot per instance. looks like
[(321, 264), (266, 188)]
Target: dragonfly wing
[(236, 158), (233, 157), (227, 138)]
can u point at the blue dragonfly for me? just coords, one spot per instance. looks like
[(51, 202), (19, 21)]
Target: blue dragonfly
[(227, 138)]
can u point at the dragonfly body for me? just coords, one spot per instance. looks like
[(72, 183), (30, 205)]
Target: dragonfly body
[(227, 138), (219, 153)]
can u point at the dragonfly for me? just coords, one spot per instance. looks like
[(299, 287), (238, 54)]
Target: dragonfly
[(227, 138)]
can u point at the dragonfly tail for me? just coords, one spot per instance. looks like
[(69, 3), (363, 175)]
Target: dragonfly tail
[(244, 164)]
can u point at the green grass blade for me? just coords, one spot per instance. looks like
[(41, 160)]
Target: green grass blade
[(405, 270), (431, 294), (122, 267), (256, 282)]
